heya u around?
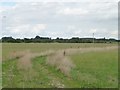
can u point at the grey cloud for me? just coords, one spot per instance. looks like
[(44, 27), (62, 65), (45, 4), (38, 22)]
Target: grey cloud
[(99, 16)]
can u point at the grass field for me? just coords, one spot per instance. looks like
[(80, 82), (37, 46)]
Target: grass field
[(43, 65)]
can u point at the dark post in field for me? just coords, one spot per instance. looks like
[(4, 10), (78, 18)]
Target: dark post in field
[(93, 37)]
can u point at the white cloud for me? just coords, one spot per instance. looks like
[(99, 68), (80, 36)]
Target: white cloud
[(73, 11), (19, 29), (1, 9), (62, 0), (103, 10), (114, 33), (26, 30), (107, 33), (8, 8), (71, 27), (34, 3), (38, 27), (93, 31), (81, 19)]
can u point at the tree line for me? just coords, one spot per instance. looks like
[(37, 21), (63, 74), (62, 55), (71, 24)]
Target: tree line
[(39, 39)]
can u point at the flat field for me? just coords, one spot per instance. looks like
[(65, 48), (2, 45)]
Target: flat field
[(59, 65)]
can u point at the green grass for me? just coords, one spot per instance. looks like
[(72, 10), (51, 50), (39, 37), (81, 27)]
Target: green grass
[(41, 76), (98, 69), (7, 48)]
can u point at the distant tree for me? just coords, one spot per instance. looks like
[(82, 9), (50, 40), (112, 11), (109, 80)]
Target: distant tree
[(8, 39), (39, 39)]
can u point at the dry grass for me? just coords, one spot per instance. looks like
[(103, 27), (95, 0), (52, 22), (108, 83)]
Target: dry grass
[(54, 58), (25, 57), (16, 54), (91, 49), (61, 62), (25, 61), (0, 52)]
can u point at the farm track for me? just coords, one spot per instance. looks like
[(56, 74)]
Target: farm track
[(69, 51), (55, 81), (25, 57), (56, 58), (25, 61)]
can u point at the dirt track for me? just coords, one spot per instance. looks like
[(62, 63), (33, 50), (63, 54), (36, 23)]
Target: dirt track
[(55, 58)]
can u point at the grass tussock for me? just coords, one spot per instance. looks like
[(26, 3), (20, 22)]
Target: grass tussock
[(64, 64), (24, 62), (25, 57), (61, 62), (16, 54)]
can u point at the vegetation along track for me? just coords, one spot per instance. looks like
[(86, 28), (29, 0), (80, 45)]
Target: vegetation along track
[(27, 62)]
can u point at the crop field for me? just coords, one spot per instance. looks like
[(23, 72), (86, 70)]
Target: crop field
[(59, 65)]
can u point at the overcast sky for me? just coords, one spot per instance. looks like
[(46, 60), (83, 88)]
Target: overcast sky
[(59, 19)]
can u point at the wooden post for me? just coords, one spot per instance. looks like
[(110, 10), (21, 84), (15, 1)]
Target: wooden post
[(64, 53)]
